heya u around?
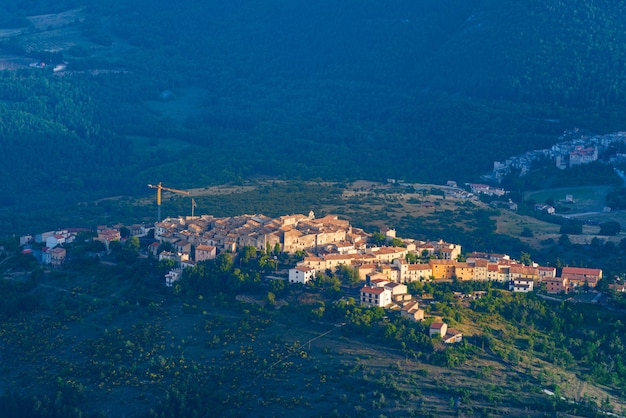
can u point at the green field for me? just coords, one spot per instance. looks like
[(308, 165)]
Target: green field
[(587, 205), (585, 198)]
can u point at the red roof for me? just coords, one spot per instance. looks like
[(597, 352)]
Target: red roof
[(578, 270), (373, 290), (414, 267), (481, 262)]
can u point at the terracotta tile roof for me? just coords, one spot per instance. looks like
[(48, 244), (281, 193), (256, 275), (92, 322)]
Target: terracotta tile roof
[(581, 271), (419, 267), (203, 247), (481, 262), (373, 290)]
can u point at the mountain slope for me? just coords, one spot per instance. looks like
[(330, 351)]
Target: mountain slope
[(361, 89)]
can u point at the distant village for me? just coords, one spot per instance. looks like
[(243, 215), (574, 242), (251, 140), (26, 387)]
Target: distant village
[(325, 244), (577, 147)]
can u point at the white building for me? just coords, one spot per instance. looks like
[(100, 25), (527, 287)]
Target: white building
[(173, 276), (375, 296), (26, 239), (177, 257), (54, 240), (41, 238), (301, 274), (521, 285)]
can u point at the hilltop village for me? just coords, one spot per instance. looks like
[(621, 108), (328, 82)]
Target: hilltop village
[(327, 243), (385, 263)]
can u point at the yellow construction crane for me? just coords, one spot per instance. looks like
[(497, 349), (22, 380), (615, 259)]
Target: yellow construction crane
[(160, 187)]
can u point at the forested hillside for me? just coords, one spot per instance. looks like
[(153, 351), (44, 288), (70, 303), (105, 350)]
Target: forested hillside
[(420, 90), (108, 339)]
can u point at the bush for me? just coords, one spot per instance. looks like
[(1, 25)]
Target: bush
[(526, 232), (610, 228), (572, 228)]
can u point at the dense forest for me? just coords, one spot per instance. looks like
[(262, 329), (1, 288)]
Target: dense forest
[(204, 92)]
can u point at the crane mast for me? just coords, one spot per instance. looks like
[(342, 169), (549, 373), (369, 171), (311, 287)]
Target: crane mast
[(159, 187)]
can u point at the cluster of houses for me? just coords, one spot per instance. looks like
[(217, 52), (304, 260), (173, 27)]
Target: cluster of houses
[(386, 273), (438, 261), (576, 148), (479, 188), (49, 249), (326, 244), (199, 238), (288, 233)]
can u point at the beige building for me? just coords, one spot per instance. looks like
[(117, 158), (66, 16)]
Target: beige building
[(438, 329), (205, 252), (388, 254), (556, 285), (106, 236), (446, 250), (546, 272), (398, 290), (57, 256), (480, 269), (411, 311), (492, 272), (365, 269), (520, 271), (418, 272), (577, 276)]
